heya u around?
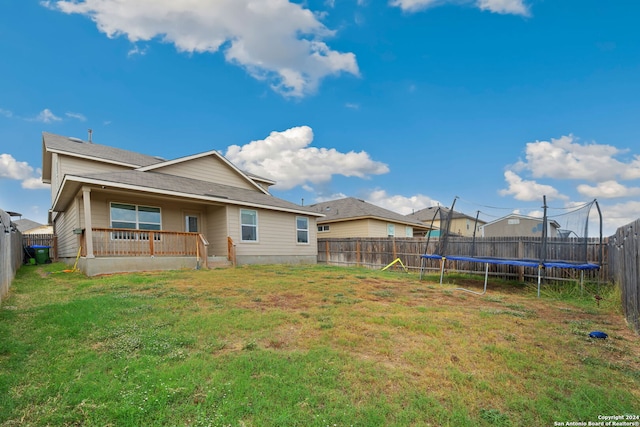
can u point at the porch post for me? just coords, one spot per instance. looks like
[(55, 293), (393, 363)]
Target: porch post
[(88, 233)]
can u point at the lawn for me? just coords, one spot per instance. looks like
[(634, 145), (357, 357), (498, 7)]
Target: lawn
[(308, 346)]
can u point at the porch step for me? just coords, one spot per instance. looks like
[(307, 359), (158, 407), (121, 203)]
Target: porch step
[(218, 262)]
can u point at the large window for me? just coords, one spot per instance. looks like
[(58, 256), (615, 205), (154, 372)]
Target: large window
[(136, 218), (249, 225), (302, 229)]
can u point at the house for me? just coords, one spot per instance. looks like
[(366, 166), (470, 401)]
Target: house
[(27, 226), (115, 210), (519, 225), (461, 224), (351, 217)]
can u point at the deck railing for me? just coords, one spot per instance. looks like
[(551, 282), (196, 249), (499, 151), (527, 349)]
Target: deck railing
[(114, 242)]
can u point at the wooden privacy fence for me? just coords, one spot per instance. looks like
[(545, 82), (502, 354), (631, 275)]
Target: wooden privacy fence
[(379, 252), (624, 258), (10, 252), (49, 240)]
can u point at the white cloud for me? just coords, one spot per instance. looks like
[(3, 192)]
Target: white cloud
[(401, 204), (276, 40), (35, 184), (6, 113), (10, 168), (287, 158), (608, 190), (564, 158), (514, 7), (77, 116), (618, 215), (528, 191), (136, 50), (46, 116)]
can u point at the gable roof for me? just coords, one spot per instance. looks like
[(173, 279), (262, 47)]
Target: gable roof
[(174, 186), (24, 224), (427, 215), (213, 153), (351, 208), (75, 147)]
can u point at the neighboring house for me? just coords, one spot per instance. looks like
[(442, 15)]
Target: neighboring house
[(461, 224), (115, 210), (26, 226), (519, 225), (351, 217)]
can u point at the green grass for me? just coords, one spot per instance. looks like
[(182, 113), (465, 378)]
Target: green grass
[(307, 346)]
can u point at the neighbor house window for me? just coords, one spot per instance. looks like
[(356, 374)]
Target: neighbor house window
[(302, 229), (408, 231), (391, 230), (323, 228), (249, 225), (136, 218)]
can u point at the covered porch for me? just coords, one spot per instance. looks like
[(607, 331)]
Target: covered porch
[(111, 250)]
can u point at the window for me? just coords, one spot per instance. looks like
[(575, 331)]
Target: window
[(136, 218), (391, 230), (191, 224), (302, 229), (408, 231), (323, 228), (248, 225)]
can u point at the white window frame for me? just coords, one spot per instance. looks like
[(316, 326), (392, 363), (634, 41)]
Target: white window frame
[(323, 228), (391, 230), (408, 231), (138, 233), (255, 212), (298, 230)]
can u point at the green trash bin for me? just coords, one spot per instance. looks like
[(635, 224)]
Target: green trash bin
[(42, 254)]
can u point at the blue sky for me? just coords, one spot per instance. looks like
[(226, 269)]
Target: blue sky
[(403, 103)]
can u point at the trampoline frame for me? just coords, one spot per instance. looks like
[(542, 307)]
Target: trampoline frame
[(540, 264)]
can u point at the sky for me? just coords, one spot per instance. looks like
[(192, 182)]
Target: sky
[(403, 103)]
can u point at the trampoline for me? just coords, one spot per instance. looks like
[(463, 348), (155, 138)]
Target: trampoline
[(579, 243)]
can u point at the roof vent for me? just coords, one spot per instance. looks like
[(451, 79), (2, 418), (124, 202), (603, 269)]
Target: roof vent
[(74, 139)]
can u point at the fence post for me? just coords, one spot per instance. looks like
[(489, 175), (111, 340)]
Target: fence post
[(520, 256)]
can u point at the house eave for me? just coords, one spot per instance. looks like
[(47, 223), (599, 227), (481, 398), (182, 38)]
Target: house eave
[(71, 185)]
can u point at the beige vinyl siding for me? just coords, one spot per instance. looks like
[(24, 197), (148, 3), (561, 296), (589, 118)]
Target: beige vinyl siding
[(56, 177), (208, 168), (217, 230), (524, 227), (77, 166), (354, 228), (171, 213), (66, 165), (64, 224), (361, 228), (276, 234)]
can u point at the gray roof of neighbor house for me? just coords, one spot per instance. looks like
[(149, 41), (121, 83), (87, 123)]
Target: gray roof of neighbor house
[(24, 224), (351, 208), (177, 186), (427, 214)]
